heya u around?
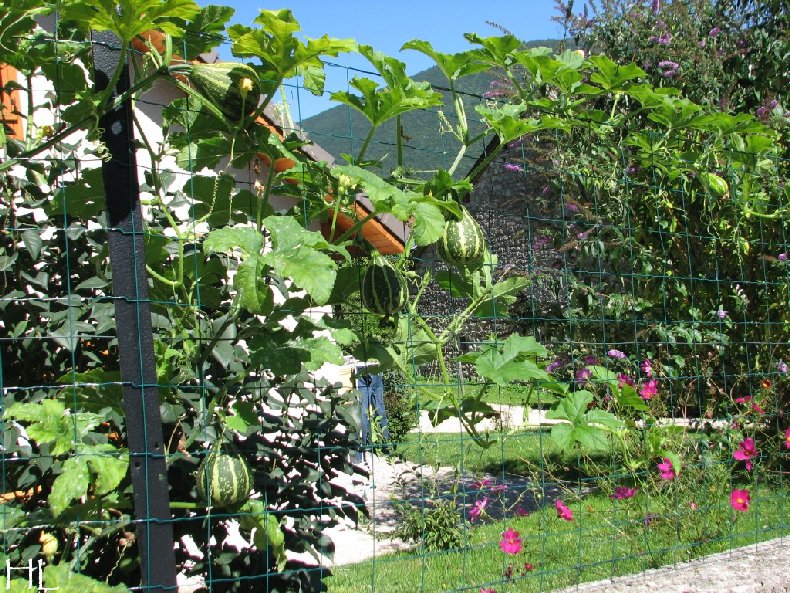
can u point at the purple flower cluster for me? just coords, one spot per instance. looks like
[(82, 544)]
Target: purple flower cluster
[(764, 110), (554, 365), (669, 69), (541, 242), (498, 88), (513, 167)]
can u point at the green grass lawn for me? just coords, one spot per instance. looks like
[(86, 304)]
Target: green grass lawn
[(605, 539), (522, 452)]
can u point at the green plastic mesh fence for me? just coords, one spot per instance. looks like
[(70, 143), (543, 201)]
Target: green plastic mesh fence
[(516, 327)]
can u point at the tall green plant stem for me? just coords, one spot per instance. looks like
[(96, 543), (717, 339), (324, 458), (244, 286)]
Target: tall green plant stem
[(263, 202), (486, 161), (368, 138)]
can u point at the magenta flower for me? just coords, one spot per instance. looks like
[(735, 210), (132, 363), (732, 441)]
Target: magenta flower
[(740, 499), (563, 512), (781, 366), (487, 590), (512, 167), (743, 399), (787, 437), (590, 359), (616, 354), (484, 483), (647, 367), (782, 257), (666, 469), (554, 365), (522, 512), (510, 542), (623, 379), (746, 451), (648, 389), (621, 492), (583, 374), (477, 509)]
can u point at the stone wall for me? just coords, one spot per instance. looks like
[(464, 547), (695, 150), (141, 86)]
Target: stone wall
[(527, 227)]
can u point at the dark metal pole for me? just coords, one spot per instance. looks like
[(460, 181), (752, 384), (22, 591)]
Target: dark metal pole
[(135, 334)]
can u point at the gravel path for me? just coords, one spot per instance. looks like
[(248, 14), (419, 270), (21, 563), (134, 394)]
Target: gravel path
[(759, 568)]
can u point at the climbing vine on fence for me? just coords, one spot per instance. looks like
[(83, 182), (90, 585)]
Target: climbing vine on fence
[(235, 277)]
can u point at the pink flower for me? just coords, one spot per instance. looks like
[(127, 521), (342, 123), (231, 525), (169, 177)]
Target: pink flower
[(614, 353), (510, 542), (693, 506), (483, 484), (590, 359), (623, 379), (583, 374), (621, 492), (757, 409), (487, 590), (746, 451), (721, 314), (781, 366), (512, 167), (782, 257), (522, 512), (647, 367), (740, 499), (563, 512), (666, 469), (744, 399), (648, 389), (528, 567), (787, 437), (478, 508)]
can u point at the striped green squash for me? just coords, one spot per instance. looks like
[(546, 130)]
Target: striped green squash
[(232, 87), (383, 288), (463, 240), (223, 479)]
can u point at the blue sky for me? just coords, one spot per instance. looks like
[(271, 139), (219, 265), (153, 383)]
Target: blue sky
[(387, 25)]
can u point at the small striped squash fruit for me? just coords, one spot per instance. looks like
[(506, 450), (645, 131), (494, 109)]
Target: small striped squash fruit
[(232, 87), (463, 241), (383, 288), (223, 479)]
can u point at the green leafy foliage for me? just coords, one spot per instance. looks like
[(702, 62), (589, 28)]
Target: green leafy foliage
[(587, 427), (129, 17)]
